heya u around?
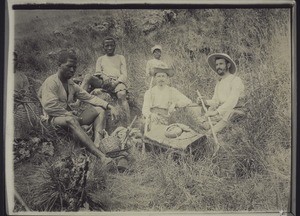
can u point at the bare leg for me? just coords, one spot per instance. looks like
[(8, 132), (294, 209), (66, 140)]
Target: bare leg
[(95, 115), (99, 125), (86, 82), (122, 100), (91, 80), (72, 123)]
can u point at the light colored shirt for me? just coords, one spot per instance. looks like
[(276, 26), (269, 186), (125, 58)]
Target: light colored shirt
[(151, 64), (55, 100), (163, 98), (227, 93), (113, 67)]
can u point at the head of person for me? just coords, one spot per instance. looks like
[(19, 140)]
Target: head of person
[(222, 64), (156, 51), (109, 46), (67, 63), (161, 79), (162, 76)]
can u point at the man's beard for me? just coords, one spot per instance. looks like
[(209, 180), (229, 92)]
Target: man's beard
[(220, 72), (161, 83)]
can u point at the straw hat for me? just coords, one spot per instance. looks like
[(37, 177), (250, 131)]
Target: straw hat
[(212, 61), (156, 47), (170, 72)]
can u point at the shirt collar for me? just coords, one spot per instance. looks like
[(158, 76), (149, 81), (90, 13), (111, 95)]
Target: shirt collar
[(230, 75), (70, 81)]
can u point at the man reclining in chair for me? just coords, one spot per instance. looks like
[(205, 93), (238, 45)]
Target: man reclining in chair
[(58, 92), (228, 91)]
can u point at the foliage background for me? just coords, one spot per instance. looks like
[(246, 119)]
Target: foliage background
[(252, 171)]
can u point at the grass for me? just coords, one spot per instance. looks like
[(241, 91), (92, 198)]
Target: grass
[(251, 172)]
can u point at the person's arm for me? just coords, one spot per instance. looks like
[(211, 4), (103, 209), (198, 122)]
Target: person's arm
[(214, 102), (180, 99), (235, 93), (123, 70), (84, 96), (162, 64), (98, 65), (50, 101), (147, 104)]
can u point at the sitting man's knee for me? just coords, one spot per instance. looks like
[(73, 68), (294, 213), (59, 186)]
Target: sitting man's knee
[(122, 95), (99, 110), (71, 120), (87, 77)]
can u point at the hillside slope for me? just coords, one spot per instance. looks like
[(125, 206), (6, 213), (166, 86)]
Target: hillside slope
[(252, 171)]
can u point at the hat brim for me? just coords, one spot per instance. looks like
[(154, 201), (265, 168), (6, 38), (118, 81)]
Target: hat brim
[(212, 61), (170, 72), (155, 48)]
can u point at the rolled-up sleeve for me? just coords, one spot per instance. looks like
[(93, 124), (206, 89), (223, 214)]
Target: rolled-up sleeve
[(50, 101), (123, 70), (84, 96)]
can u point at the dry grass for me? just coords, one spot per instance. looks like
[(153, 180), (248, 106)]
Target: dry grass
[(252, 169)]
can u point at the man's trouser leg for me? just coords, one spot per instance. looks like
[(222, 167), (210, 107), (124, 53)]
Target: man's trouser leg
[(122, 100)]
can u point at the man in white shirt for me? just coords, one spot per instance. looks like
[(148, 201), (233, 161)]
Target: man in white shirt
[(227, 91), (161, 100)]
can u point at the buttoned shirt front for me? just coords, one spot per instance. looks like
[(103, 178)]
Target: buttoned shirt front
[(55, 100)]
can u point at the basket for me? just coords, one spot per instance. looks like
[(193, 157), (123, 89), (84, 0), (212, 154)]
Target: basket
[(25, 120), (111, 144)]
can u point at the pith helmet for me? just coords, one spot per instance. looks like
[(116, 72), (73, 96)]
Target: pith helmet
[(212, 61), (156, 47)]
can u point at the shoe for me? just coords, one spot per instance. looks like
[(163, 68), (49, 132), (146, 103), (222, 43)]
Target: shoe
[(122, 165)]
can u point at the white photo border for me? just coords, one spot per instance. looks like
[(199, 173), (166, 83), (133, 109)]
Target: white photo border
[(8, 101)]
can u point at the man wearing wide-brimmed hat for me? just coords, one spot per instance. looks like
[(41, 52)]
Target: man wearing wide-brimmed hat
[(156, 61), (227, 93), (161, 100)]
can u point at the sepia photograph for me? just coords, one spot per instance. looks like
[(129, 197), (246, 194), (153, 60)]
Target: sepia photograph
[(150, 109)]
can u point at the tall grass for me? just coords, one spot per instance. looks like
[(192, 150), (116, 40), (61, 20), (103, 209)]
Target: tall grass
[(252, 169)]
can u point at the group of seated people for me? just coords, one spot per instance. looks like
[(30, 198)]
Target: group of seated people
[(59, 92)]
